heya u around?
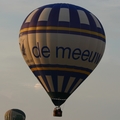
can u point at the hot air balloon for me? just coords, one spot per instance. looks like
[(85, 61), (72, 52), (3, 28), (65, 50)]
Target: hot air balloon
[(15, 114), (62, 44)]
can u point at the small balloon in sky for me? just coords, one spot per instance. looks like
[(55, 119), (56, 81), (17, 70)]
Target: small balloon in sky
[(15, 114), (62, 44)]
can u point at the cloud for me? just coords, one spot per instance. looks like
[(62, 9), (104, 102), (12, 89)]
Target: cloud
[(37, 86), (32, 85)]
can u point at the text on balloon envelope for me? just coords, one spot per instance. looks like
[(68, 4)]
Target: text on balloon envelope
[(67, 53)]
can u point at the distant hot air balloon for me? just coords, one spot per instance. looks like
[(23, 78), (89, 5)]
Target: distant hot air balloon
[(14, 114), (62, 44)]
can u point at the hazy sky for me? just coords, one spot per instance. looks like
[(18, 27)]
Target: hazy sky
[(98, 98)]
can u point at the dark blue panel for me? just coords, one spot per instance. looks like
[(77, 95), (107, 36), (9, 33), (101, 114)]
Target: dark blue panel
[(63, 24), (53, 16), (65, 82), (75, 82), (74, 18), (92, 25), (41, 23), (54, 78), (64, 5)]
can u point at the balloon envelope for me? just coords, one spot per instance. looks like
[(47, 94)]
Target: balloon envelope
[(61, 44), (15, 114)]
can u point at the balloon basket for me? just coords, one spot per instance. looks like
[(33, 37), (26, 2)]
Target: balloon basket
[(57, 112)]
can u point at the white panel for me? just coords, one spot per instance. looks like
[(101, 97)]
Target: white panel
[(45, 14), (71, 80), (83, 18), (50, 82), (96, 21), (31, 15), (64, 15), (79, 81), (60, 83), (43, 83)]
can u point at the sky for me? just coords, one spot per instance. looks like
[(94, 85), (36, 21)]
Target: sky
[(97, 98)]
